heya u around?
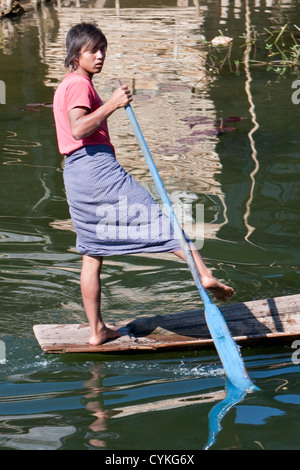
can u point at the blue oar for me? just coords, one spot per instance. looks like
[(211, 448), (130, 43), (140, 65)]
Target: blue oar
[(227, 349)]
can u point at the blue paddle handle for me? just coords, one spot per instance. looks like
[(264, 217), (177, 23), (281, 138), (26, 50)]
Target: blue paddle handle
[(181, 236)]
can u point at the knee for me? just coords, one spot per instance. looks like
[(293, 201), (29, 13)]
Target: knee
[(92, 263)]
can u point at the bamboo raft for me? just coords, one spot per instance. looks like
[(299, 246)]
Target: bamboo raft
[(273, 320)]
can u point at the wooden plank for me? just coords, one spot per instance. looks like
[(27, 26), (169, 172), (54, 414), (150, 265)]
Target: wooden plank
[(269, 320)]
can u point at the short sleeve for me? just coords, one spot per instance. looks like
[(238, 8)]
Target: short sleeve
[(78, 94)]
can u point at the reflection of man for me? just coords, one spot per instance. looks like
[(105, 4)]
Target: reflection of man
[(95, 407)]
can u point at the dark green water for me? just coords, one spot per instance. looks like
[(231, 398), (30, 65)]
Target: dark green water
[(248, 181)]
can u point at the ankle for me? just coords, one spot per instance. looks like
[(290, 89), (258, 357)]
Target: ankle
[(97, 327)]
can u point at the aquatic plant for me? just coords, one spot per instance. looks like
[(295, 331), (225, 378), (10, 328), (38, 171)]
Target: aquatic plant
[(278, 50), (283, 50)]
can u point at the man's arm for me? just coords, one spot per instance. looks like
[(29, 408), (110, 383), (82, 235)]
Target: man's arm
[(83, 123)]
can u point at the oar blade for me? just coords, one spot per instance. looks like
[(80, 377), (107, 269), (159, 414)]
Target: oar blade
[(227, 349)]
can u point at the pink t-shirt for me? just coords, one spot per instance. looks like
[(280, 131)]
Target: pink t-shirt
[(76, 91)]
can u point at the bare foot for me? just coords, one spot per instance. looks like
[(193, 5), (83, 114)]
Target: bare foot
[(103, 335), (218, 289)]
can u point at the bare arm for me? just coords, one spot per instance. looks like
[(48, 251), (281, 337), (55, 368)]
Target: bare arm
[(83, 122)]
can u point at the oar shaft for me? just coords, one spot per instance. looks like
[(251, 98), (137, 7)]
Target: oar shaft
[(182, 238), (225, 345)]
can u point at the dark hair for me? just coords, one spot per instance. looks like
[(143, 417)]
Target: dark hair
[(82, 35)]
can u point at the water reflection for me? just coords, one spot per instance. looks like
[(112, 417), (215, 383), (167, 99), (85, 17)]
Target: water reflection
[(160, 53), (252, 113), (37, 438), (94, 405), (55, 402), (14, 148), (101, 398)]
